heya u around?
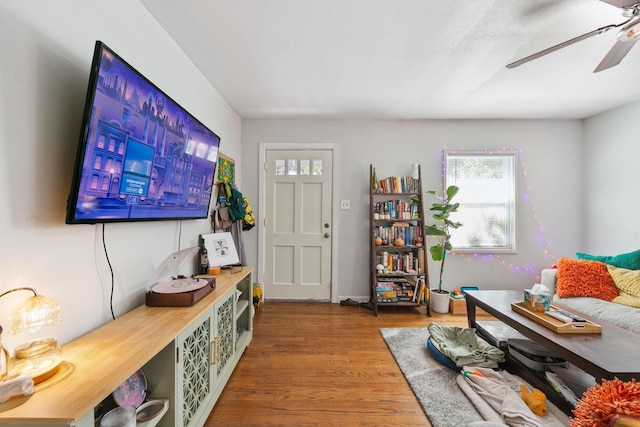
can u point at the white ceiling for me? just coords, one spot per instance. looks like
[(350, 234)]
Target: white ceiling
[(403, 59)]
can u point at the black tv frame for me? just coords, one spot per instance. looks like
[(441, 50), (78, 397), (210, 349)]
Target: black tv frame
[(141, 156)]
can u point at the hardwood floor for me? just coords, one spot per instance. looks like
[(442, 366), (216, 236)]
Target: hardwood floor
[(322, 364)]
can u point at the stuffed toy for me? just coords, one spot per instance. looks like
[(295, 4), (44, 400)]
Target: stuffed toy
[(536, 400)]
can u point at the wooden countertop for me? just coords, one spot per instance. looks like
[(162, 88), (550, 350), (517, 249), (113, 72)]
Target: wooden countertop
[(95, 364)]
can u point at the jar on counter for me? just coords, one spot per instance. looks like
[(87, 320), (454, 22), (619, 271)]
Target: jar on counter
[(4, 359), (39, 359)]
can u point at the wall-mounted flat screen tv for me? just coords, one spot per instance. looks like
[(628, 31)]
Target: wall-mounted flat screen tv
[(141, 156)]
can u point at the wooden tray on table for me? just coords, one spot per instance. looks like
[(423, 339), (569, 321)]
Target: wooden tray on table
[(557, 325)]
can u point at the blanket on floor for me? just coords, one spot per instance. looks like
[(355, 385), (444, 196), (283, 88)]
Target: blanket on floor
[(500, 393)]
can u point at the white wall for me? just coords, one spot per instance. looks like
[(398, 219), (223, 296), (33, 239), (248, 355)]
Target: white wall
[(46, 49), (550, 175), (610, 182)]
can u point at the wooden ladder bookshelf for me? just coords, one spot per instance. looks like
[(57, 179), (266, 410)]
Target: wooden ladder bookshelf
[(397, 242)]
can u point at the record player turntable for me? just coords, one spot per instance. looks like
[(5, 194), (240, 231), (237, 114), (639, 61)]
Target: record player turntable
[(168, 289)]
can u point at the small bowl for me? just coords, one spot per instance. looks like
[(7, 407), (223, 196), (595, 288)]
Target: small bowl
[(121, 416), (149, 410)]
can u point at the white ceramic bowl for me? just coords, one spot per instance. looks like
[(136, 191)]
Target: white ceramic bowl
[(149, 410), (122, 416)]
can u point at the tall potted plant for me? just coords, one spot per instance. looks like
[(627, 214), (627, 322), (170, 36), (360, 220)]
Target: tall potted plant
[(441, 230)]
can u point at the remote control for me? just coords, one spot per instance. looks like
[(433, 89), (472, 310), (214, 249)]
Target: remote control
[(575, 317), (561, 317)]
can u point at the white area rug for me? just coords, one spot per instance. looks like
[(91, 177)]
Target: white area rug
[(435, 385)]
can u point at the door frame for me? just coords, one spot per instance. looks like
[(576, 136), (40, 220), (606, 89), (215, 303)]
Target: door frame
[(335, 185)]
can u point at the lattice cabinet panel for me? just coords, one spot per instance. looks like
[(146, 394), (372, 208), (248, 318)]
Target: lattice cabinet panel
[(195, 361), (224, 312)]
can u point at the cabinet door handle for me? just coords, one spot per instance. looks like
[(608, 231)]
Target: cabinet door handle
[(215, 349), (212, 361)]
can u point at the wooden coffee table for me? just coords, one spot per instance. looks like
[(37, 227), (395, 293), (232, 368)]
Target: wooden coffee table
[(607, 355)]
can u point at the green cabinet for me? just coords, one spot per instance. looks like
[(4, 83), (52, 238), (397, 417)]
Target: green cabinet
[(203, 356)]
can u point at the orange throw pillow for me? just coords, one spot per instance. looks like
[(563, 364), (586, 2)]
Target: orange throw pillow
[(583, 278)]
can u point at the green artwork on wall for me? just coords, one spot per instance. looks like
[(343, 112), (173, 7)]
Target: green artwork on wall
[(226, 169)]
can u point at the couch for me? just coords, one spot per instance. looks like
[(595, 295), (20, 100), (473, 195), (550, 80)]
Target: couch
[(622, 315)]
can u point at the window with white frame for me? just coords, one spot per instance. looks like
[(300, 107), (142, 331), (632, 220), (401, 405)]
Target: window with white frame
[(487, 200)]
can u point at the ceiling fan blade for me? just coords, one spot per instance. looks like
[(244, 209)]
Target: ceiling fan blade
[(562, 45), (615, 55)]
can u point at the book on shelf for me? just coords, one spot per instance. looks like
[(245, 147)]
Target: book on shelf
[(406, 231), (420, 257), (410, 262), (575, 378), (394, 291), (384, 287), (423, 297), (395, 210), (558, 385), (391, 279), (399, 184), (418, 289)]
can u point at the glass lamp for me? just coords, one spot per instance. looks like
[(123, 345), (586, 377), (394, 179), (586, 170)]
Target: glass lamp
[(33, 313), (30, 315)]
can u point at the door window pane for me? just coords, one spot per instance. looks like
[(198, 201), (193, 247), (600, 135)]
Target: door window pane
[(304, 166), (317, 167), (279, 167), (292, 167)]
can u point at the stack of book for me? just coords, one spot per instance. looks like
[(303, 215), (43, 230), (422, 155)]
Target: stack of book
[(402, 230), (409, 262), (394, 290), (575, 378), (395, 209), (399, 184), (558, 385)]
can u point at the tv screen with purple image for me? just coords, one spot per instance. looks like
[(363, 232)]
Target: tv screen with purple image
[(141, 156)]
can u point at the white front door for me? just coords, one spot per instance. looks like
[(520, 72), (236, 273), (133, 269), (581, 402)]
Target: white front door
[(298, 224)]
